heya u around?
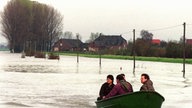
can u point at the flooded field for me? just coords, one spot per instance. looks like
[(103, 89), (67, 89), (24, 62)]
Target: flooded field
[(43, 83)]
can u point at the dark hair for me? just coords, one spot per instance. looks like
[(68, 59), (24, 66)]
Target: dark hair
[(123, 75), (110, 77), (146, 76), (119, 77)]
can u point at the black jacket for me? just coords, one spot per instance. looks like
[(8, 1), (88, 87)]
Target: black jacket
[(105, 89)]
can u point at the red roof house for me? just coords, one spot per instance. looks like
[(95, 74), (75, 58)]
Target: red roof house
[(189, 41), (156, 41)]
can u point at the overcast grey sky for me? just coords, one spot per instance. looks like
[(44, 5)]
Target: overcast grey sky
[(122, 16)]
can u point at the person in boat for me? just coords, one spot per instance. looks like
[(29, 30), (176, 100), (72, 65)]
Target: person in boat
[(131, 88), (122, 87), (123, 75), (147, 83), (106, 87)]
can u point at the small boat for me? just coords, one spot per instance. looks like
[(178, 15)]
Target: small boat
[(39, 55), (140, 99), (30, 53), (53, 56)]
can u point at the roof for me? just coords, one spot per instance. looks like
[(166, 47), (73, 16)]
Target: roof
[(156, 41), (189, 41), (109, 40), (71, 42)]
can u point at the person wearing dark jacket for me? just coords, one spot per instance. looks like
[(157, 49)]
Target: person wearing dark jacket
[(122, 87), (106, 87), (147, 83)]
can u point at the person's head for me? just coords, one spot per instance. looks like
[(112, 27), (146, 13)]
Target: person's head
[(110, 79), (144, 77), (123, 75), (119, 78)]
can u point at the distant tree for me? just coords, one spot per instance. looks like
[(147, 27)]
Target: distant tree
[(174, 49), (188, 51), (163, 44), (130, 49), (145, 35), (78, 36), (67, 35), (46, 26), (16, 22), (27, 23), (53, 26), (188, 48), (181, 40), (38, 27), (142, 47), (92, 37)]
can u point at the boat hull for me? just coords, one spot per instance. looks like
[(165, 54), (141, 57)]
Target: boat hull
[(133, 100)]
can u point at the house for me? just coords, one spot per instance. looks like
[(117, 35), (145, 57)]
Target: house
[(85, 46), (189, 41), (156, 41), (108, 42), (68, 45)]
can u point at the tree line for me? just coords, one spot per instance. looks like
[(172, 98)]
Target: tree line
[(145, 47), (29, 25), (32, 26)]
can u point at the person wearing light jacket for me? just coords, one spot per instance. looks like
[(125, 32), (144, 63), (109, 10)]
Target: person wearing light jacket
[(147, 83)]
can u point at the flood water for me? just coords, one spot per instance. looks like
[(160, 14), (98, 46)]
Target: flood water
[(43, 83)]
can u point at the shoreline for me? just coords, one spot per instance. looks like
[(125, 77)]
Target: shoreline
[(138, 58), (120, 57)]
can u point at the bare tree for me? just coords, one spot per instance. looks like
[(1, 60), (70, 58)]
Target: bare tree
[(145, 35), (53, 25), (26, 23), (36, 27), (67, 35), (92, 37), (16, 21)]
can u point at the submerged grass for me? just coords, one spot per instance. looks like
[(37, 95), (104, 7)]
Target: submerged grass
[(139, 58)]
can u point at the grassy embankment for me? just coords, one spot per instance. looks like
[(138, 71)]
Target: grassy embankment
[(154, 59), (4, 49)]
